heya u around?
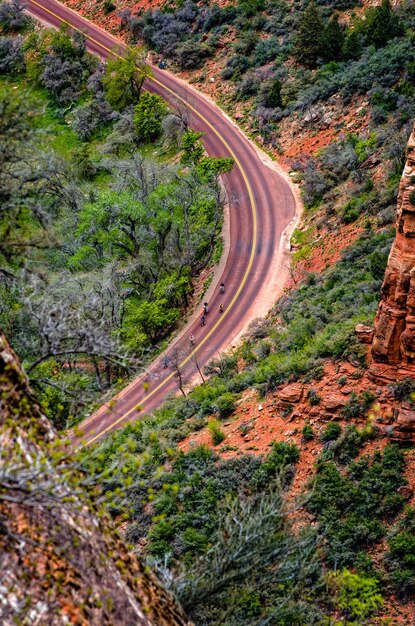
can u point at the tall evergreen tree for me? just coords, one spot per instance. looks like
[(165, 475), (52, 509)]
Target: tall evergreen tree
[(333, 40), (273, 98), (381, 24), (352, 47), (309, 42)]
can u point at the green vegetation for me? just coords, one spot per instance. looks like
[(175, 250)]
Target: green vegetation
[(307, 432), (400, 560), (102, 230), (216, 432), (353, 506), (356, 596), (124, 78), (286, 63)]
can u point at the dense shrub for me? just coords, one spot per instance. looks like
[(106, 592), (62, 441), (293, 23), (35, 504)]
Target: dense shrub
[(235, 65), (225, 405), (307, 433), (331, 432), (11, 55), (404, 390), (358, 405), (279, 464), (347, 446), (351, 507), (266, 51), (12, 16), (400, 559), (190, 55)]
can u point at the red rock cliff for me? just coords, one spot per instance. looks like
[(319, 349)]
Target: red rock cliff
[(393, 347), (60, 562)]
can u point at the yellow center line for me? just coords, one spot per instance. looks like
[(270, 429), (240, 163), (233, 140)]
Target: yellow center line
[(254, 233)]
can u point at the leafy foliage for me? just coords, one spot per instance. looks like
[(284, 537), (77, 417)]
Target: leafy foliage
[(148, 116), (124, 78), (143, 227), (356, 596), (400, 559), (352, 506)]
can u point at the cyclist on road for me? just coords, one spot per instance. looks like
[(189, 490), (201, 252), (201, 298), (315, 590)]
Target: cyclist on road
[(221, 308), (222, 288), (192, 340), (205, 307), (166, 362), (202, 320)]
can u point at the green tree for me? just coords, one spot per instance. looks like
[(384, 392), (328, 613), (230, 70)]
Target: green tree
[(124, 78), (210, 168), (356, 596), (192, 147), (381, 24), (333, 40), (352, 46), (148, 116), (310, 38), (114, 225), (153, 319), (273, 97)]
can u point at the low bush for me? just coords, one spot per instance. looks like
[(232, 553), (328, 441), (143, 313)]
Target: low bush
[(307, 433), (313, 398), (404, 390), (217, 434), (331, 432), (225, 405), (235, 66), (358, 405), (279, 464)]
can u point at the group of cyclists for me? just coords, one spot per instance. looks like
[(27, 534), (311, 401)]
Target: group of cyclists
[(206, 311), (206, 306), (202, 322)]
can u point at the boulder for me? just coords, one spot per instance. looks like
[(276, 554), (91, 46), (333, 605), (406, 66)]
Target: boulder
[(334, 402), (370, 162), (406, 419), (364, 333), (313, 114), (291, 393)]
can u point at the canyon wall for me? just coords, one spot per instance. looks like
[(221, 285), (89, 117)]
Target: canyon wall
[(393, 346)]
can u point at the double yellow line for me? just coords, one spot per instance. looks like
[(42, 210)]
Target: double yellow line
[(254, 231)]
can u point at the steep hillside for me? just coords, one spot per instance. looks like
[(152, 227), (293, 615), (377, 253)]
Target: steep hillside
[(107, 225), (280, 490), (61, 560), (328, 88), (294, 407)]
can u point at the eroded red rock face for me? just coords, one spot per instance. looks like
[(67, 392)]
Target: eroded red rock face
[(394, 331)]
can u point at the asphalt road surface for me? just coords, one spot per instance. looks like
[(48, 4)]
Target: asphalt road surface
[(261, 205)]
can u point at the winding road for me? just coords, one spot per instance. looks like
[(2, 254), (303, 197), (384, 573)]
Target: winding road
[(261, 205)]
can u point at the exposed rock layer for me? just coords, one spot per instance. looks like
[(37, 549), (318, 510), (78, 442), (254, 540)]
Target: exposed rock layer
[(393, 345), (59, 562)]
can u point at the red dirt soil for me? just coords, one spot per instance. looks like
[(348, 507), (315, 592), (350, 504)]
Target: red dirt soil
[(270, 420)]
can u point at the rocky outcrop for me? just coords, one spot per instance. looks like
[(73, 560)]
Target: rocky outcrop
[(291, 393), (393, 346), (61, 562), (364, 333)]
